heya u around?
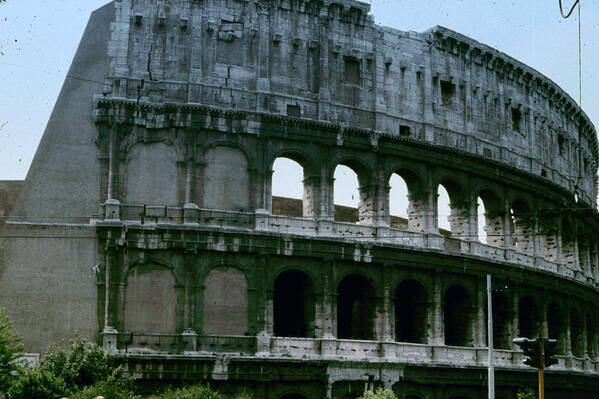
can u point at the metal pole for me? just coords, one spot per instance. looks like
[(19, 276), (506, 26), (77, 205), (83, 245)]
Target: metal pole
[(491, 377)]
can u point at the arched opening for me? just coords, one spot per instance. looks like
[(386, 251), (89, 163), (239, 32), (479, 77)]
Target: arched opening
[(521, 217), (528, 318), (452, 211), (556, 326), (501, 317), (482, 220), (410, 312), (490, 218), (226, 179), (356, 308), (407, 203), (576, 333), (152, 175), (457, 317), (347, 198), (569, 245), (293, 305), (150, 300), (225, 302), (287, 188), (443, 211), (398, 202)]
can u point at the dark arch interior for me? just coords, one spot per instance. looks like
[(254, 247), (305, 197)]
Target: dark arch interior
[(410, 312), (293, 305), (457, 317), (576, 333), (356, 303), (501, 338), (528, 318), (555, 325)]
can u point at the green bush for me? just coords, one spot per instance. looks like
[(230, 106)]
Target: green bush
[(37, 384), (526, 393), (111, 388), (84, 364), (380, 393), (84, 371), (189, 392)]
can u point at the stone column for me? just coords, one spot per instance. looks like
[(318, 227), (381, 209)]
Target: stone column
[(328, 297), (428, 97), (544, 323), (508, 229), (548, 242), (388, 306), (327, 338), (436, 333), (461, 218), (480, 330), (570, 249), (366, 208), (324, 93), (382, 217), (264, 319), (568, 321), (109, 333), (584, 335), (594, 260), (584, 255), (523, 233), (420, 212), (515, 325), (312, 197), (495, 228), (536, 234)]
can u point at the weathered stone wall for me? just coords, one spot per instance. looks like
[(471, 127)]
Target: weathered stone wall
[(328, 61), (148, 215), (9, 190)]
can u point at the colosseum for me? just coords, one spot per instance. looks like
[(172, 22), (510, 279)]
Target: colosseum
[(147, 219)]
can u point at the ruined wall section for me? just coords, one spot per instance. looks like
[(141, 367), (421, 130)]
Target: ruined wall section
[(328, 61)]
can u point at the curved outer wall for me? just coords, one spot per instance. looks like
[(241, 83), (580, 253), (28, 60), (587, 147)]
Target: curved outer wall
[(147, 217)]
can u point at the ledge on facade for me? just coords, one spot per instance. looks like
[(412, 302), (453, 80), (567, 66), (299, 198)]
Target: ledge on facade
[(150, 218), (191, 345)]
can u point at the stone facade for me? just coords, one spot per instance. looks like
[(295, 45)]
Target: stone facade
[(147, 219)]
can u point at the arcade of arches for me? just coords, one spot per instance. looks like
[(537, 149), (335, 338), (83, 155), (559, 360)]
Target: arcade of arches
[(448, 205), (414, 310)]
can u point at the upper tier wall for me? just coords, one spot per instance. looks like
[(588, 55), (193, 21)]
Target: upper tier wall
[(327, 60)]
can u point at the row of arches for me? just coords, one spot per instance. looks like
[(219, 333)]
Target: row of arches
[(151, 303), (404, 197), (407, 203)]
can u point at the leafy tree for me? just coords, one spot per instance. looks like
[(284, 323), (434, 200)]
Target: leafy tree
[(11, 349), (84, 371), (37, 384), (84, 364), (526, 393), (380, 393)]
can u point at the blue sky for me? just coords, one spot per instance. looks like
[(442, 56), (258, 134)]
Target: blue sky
[(38, 39)]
